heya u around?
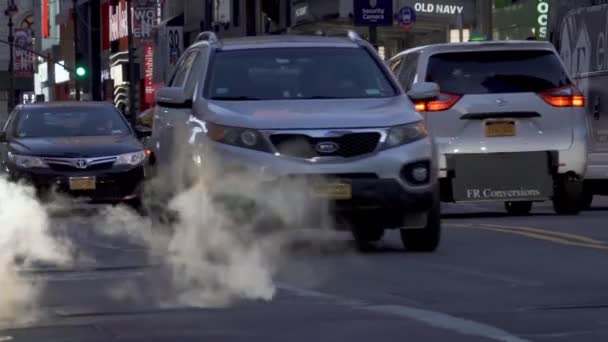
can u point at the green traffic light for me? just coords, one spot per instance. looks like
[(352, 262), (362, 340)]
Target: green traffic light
[(81, 72)]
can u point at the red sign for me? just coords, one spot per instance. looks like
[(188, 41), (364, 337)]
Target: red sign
[(105, 25), (149, 72), (45, 19)]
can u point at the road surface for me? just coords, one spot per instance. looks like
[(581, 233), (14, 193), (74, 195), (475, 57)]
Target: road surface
[(494, 278)]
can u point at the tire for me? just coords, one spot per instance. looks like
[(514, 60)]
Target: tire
[(518, 208), (365, 232), (568, 198), (426, 239), (587, 200)]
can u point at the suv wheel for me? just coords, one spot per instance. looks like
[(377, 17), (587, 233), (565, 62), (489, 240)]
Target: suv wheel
[(366, 231), (568, 197), (425, 239), (518, 208)]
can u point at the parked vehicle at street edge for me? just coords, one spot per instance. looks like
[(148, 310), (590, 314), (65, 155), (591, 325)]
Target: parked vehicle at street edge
[(309, 106), (84, 149), (509, 122)]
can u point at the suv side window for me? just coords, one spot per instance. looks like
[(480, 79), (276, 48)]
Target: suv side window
[(183, 69), (408, 73), (196, 70)]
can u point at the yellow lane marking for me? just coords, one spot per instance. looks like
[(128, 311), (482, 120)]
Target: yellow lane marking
[(565, 235), (536, 235)]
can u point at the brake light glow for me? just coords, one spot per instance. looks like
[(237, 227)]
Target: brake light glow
[(444, 102), (564, 97)]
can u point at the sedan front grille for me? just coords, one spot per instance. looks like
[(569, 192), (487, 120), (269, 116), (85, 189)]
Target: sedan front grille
[(80, 164), (346, 146)]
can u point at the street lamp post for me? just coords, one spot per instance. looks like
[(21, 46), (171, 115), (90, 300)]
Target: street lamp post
[(10, 11)]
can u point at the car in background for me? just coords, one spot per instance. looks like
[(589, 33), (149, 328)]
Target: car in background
[(509, 122), (85, 149), (325, 110)]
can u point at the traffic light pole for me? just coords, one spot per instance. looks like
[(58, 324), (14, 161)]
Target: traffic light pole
[(75, 19)]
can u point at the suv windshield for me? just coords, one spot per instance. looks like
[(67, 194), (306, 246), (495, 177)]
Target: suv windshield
[(296, 73), (489, 72), (69, 122)]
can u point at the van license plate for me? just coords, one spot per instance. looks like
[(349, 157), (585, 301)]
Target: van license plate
[(337, 191), (82, 183), (500, 129)]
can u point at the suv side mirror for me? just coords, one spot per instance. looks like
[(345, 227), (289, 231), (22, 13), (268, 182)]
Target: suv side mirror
[(173, 97), (3, 138), (422, 91)]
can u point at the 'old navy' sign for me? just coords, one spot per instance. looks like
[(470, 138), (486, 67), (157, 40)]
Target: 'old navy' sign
[(437, 8), (373, 12)]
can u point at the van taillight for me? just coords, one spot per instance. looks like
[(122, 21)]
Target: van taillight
[(444, 102), (564, 97)]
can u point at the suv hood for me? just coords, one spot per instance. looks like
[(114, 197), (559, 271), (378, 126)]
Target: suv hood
[(312, 114)]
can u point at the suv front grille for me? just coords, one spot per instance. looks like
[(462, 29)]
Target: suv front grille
[(347, 146)]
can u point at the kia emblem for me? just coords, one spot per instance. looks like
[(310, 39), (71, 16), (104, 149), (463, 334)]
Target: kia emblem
[(327, 147)]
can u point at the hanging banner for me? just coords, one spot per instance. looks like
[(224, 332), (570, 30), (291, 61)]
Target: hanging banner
[(149, 73), (23, 58), (145, 17)]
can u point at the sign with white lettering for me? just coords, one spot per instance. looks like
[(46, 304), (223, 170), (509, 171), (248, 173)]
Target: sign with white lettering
[(438, 8), (373, 12), (119, 27), (543, 18), (502, 176), (23, 59), (145, 17)]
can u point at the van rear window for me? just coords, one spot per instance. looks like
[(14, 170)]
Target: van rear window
[(491, 72)]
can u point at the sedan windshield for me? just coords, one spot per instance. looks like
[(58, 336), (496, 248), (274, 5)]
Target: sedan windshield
[(296, 73), (69, 122)]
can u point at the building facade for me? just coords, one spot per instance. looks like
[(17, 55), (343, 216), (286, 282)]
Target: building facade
[(162, 29), (23, 61)]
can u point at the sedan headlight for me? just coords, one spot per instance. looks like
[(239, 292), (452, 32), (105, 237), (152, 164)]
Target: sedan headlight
[(242, 137), (27, 162), (133, 159), (405, 134)]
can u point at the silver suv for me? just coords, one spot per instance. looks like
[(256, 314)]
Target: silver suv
[(509, 123), (307, 107)]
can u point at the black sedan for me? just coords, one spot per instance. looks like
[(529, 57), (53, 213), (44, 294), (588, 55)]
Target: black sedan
[(86, 149)]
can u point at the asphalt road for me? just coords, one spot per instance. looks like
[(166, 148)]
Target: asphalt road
[(494, 278)]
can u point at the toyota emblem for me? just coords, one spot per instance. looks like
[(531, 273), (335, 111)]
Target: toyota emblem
[(81, 163), (327, 147)]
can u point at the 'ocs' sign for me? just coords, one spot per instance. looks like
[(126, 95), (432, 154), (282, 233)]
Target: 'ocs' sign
[(543, 18)]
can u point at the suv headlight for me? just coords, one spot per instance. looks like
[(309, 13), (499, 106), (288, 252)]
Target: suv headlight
[(242, 137), (405, 134), (133, 159), (27, 162)]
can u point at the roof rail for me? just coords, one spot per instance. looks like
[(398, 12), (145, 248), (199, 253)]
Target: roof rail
[(209, 36), (350, 34), (354, 36)]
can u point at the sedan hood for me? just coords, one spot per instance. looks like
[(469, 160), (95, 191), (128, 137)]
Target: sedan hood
[(312, 114), (75, 147)]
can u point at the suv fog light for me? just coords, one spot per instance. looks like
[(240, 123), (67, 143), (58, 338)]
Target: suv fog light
[(420, 174)]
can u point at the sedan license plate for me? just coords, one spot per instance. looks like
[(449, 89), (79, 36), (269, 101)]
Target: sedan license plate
[(82, 183), (337, 191), (500, 129)]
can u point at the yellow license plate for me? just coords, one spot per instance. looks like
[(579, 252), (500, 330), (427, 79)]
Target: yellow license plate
[(338, 191), (82, 183), (500, 129)]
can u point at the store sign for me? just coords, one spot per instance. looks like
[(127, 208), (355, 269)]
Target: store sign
[(119, 25), (149, 73), (438, 8), (543, 18), (145, 17), (23, 57), (373, 12)]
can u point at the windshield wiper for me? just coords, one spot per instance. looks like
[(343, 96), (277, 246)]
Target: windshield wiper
[(235, 98)]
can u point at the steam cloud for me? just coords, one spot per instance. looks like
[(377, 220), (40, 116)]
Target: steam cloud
[(25, 239), (230, 238)]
